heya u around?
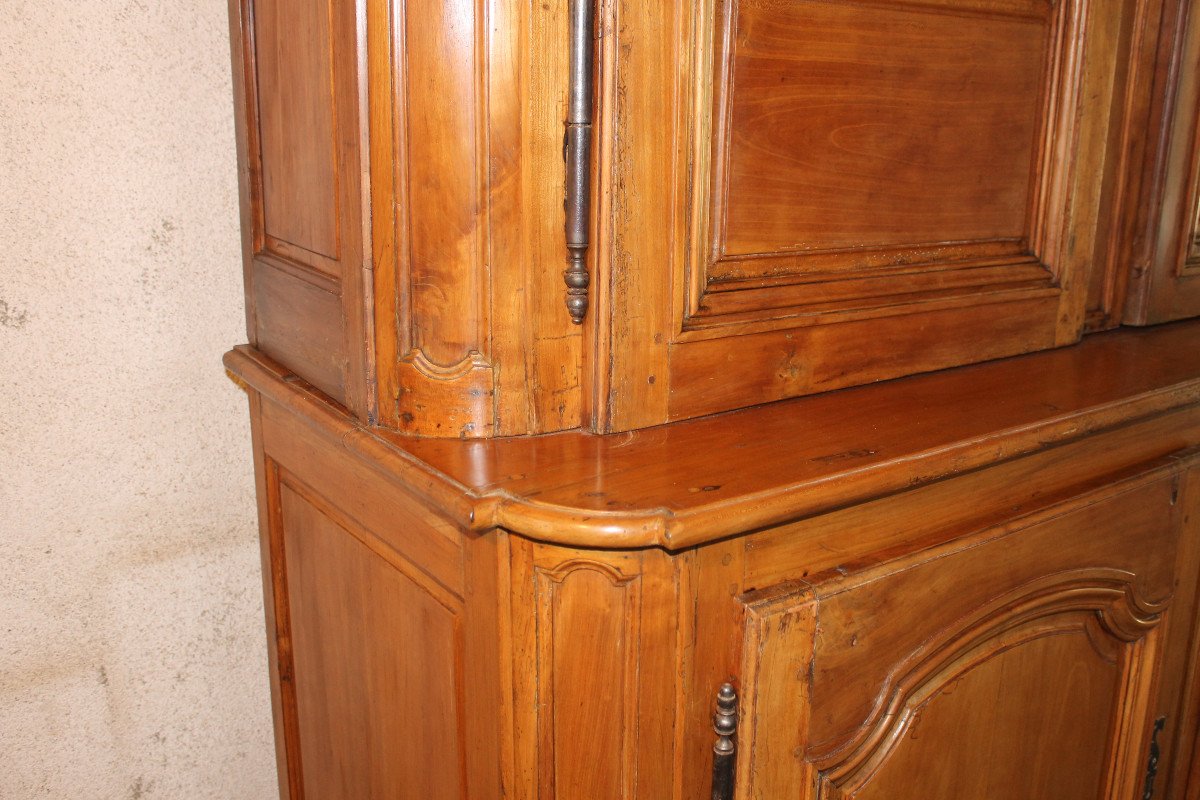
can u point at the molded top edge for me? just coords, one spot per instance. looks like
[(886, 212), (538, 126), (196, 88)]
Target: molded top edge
[(687, 483)]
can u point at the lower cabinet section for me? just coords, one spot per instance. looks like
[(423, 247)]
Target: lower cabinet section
[(1017, 633)]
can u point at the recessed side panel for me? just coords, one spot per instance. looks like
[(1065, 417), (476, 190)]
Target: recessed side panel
[(297, 119), (296, 69), (374, 661)]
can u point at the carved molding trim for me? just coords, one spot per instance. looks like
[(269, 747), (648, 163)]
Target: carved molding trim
[(439, 400), (1049, 606), (430, 369), (603, 663)]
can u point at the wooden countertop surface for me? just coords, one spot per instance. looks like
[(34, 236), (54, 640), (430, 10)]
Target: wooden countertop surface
[(686, 483)]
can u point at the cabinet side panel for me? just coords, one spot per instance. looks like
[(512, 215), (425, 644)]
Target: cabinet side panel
[(300, 325), (377, 665), (266, 482), (297, 115), (385, 620), (297, 72), (365, 496)]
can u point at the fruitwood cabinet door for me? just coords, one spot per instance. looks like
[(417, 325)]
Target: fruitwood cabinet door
[(1034, 660), (788, 185)]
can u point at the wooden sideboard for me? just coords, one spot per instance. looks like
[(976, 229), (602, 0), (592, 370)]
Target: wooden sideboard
[(755, 399)]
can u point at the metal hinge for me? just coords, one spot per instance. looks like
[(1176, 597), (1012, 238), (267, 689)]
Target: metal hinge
[(725, 723), (577, 147), (1152, 763)]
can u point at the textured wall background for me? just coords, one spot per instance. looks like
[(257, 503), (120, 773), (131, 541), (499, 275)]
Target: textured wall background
[(132, 655)]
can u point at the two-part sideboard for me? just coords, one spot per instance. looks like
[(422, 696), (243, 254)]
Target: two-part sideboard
[(715, 399)]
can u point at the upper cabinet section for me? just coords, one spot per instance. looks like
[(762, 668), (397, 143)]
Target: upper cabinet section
[(782, 197), (1165, 283), (833, 193)]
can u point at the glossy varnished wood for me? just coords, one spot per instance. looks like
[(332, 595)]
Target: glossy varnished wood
[(1070, 635), (471, 337), (853, 173), (778, 188), (300, 114), (376, 606), (663, 486), (805, 170), (1166, 271), (981, 582), (579, 672)]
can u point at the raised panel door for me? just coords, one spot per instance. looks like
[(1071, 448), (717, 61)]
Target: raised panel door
[(1023, 661), (843, 192)]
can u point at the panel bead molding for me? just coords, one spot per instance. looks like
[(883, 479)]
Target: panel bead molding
[(429, 176), (1101, 607), (910, 190), (595, 665)]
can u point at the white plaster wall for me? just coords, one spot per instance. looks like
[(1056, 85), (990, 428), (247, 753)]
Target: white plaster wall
[(132, 655)]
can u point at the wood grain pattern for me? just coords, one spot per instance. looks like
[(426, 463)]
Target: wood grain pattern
[(868, 636), (710, 374), (938, 141), (266, 481), (297, 117), (596, 672), (467, 187), (1056, 749), (639, 168), (855, 161), (938, 513), (300, 324), (981, 582), (892, 711), (662, 487), (377, 717), (1166, 275), (588, 619), (1179, 698), (300, 166), (372, 501), (430, 233)]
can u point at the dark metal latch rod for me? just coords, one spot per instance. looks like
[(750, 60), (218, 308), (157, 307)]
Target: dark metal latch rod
[(578, 152)]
